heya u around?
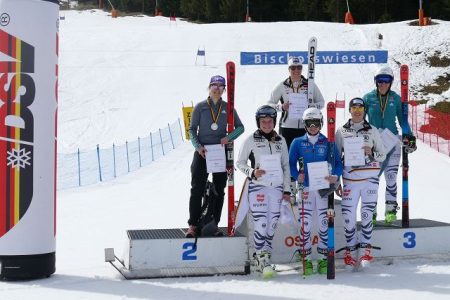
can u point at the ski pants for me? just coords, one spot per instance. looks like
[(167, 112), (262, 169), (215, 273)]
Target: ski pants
[(390, 170), (367, 191), (265, 204), (199, 176), (313, 206), (290, 134)]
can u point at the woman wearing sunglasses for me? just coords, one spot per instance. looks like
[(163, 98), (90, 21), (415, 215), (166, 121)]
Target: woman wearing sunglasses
[(209, 127), (296, 86), (313, 147), (293, 89), (384, 110), (363, 152)]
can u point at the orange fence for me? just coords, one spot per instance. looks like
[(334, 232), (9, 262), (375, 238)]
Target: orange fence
[(430, 126)]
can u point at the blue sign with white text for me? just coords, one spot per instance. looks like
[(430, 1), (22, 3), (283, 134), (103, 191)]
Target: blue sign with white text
[(323, 57)]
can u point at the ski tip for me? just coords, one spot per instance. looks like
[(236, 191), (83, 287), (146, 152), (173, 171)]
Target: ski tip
[(331, 105), (404, 68)]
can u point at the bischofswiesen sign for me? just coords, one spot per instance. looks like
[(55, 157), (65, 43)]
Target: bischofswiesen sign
[(323, 57)]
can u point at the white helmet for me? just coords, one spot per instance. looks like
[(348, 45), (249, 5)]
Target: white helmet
[(384, 73), (312, 113)]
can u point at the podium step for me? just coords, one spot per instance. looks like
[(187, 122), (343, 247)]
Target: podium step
[(156, 253)]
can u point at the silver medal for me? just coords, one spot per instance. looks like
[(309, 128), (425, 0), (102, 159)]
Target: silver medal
[(214, 126)]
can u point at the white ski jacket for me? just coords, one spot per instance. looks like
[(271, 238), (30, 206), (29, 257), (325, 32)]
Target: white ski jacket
[(372, 139), (257, 145), (281, 94)]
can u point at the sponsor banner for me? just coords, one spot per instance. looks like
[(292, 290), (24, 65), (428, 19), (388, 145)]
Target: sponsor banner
[(323, 57), (28, 105), (187, 115), (340, 103)]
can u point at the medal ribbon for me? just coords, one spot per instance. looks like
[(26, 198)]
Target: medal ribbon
[(298, 87), (215, 117), (383, 105)]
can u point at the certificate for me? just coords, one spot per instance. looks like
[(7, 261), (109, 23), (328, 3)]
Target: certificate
[(298, 103), (215, 158), (389, 140), (271, 164), (354, 152), (317, 171)]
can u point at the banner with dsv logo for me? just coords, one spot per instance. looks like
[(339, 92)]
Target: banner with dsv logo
[(28, 108)]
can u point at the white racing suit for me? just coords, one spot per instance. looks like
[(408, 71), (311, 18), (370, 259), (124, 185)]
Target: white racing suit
[(265, 195), (360, 182)]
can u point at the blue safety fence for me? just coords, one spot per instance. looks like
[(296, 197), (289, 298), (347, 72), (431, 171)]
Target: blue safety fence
[(103, 164)]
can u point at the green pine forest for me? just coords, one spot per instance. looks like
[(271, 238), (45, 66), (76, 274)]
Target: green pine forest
[(223, 11)]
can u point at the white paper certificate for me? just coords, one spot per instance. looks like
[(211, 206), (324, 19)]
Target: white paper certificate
[(389, 140), (215, 158), (353, 151), (271, 163), (317, 171), (298, 103)]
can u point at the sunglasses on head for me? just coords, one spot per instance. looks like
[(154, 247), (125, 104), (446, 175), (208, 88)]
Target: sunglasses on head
[(295, 68), (357, 108), (312, 123), (216, 87)]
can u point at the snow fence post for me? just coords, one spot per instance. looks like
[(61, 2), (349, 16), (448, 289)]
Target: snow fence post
[(99, 165), (114, 159), (437, 141), (162, 145), (139, 151), (171, 138), (151, 146), (128, 157), (79, 168)]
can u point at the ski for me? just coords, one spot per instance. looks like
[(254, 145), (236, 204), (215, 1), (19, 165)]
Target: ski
[(301, 189), (230, 67), (312, 45), (404, 78), (331, 126)]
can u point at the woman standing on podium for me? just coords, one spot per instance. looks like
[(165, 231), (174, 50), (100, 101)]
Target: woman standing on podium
[(209, 127)]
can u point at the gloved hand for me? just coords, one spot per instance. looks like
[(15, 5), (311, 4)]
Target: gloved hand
[(327, 191), (409, 141)]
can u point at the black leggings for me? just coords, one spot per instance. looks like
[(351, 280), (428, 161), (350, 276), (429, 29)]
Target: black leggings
[(199, 176), (290, 134)]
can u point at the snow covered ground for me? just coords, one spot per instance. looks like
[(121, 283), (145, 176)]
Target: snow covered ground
[(120, 78)]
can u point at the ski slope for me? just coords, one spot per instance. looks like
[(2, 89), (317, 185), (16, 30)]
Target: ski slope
[(120, 78)]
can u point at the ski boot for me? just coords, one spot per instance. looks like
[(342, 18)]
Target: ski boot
[(349, 260), (366, 258), (322, 266), (308, 265), (297, 256), (391, 212), (263, 265)]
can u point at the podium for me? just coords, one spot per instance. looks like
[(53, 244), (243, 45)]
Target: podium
[(423, 237), (158, 253)]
